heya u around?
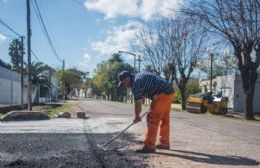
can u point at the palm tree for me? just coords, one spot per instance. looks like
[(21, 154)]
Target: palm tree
[(40, 76), (15, 52)]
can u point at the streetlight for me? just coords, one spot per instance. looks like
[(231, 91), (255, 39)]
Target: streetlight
[(211, 54), (137, 57)]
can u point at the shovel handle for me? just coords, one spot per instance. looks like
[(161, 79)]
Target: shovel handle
[(122, 131)]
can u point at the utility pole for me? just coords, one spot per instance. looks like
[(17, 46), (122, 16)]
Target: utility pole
[(211, 70), (134, 63), (29, 53), (63, 83), (139, 62), (135, 59), (22, 82)]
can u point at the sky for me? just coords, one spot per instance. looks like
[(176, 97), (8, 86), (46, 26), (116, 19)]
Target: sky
[(84, 32)]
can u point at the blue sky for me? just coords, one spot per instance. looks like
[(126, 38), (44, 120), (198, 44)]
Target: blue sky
[(84, 32)]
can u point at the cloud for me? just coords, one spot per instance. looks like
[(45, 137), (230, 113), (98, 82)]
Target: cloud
[(113, 8), (86, 57), (145, 9), (119, 38), (2, 38)]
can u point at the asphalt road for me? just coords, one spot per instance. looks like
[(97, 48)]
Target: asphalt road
[(196, 141)]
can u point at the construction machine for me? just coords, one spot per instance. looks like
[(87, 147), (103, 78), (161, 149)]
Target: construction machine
[(207, 102)]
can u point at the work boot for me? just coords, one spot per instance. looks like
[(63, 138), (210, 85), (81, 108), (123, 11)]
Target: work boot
[(161, 146), (145, 150)]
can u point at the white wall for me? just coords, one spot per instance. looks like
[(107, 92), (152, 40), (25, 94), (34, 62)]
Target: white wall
[(226, 85), (239, 98), (10, 88)]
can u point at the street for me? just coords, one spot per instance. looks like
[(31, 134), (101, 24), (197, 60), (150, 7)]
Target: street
[(197, 140)]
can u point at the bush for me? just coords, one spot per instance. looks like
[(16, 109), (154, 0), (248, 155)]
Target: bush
[(191, 88), (177, 97)]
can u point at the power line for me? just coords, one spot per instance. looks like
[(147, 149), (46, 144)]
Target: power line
[(35, 56), (44, 29), (78, 3), (11, 29), (8, 27)]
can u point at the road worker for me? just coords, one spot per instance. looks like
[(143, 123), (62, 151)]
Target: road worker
[(161, 92)]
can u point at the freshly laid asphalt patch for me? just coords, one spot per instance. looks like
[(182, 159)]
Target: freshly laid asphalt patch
[(50, 150)]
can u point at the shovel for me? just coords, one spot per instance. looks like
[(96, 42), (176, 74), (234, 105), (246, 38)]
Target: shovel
[(102, 146)]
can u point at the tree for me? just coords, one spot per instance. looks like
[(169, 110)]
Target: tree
[(105, 77), (238, 23), (41, 77), (192, 87), (86, 85), (15, 52), (116, 57), (71, 78), (172, 50)]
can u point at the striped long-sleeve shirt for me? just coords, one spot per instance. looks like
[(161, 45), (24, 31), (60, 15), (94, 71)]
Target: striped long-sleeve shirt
[(147, 85)]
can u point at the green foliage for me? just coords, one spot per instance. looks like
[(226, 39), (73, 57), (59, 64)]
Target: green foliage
[(105, 79), (177, 97), (191, 88), (15, 52), (72, 78), (41, 77), (116, 57), (40, 74), (53, 110)]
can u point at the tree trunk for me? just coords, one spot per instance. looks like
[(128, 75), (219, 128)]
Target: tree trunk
[(183, 96), (249, 114), (249, 77), (249, 99)]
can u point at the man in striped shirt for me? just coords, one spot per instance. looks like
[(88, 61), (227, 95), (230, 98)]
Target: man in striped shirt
[(161, 92)]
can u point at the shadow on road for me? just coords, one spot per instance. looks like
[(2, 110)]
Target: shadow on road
[(211, 159)]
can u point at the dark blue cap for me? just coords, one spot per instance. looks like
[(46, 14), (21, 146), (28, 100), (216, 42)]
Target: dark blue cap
[(122, 75)]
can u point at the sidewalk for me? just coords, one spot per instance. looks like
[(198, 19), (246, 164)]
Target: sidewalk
[(176, 107)]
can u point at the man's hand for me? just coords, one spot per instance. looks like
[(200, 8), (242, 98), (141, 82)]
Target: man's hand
[(137, 119), (138, 109)]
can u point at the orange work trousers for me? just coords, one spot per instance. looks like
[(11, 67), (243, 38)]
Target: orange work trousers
[(159, 115)]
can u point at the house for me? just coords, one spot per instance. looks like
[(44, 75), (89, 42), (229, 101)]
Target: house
[(82, 93), (53, 93), (231, 87)]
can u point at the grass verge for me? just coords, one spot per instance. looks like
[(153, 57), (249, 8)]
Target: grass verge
[(53, 110), (257, 117), (1, 116)]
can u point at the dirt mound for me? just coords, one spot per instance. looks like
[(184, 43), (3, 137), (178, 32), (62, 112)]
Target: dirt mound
[(64, 115), (24, 116)]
